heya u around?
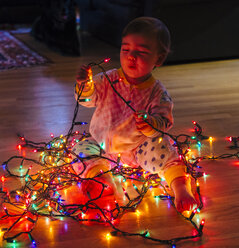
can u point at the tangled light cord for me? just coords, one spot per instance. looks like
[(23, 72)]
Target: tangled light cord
[(40, 192)]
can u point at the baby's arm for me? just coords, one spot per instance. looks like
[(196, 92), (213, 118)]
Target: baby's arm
[(161, 108), (145, 123), (94, 87), (157, 116), (85, 84)]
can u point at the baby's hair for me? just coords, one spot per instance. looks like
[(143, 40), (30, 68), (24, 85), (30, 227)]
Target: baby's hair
[(150, 26)]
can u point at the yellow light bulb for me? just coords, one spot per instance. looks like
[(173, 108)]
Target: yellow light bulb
[(210, 139), (186, 213), (137, 212), (108, 236)]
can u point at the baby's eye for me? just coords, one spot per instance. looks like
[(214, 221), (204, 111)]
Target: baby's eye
[(125, 50), (142, 52)]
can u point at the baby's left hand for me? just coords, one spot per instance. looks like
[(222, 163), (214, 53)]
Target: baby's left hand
[(140, 118)]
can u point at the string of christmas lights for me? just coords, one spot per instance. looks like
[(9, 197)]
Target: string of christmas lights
[(40, 193)]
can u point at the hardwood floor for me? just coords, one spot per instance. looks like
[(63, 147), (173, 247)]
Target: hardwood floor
[(39, 101)]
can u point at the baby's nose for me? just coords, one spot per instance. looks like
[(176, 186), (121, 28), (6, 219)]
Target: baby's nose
[(132, 57)]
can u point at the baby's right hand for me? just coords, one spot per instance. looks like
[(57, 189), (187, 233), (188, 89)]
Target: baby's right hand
[(84, 76)]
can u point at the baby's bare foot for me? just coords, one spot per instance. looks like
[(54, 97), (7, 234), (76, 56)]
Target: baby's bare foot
[(114, 186), (184, 199), (118, 192)]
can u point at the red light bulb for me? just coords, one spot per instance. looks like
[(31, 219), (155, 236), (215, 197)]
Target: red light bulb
[(106, 60), (3, 179)]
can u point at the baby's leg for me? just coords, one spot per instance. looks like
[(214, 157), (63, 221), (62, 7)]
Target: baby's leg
[(114, 184), (84, 149), (93, 188), (157, 155)]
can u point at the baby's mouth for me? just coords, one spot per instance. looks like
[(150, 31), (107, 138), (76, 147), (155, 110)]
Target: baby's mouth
[(132, 67)]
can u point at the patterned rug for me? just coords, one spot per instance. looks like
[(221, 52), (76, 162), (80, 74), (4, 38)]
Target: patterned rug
[(15, 54)]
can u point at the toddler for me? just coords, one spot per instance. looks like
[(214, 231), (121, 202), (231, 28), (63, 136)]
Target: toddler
[(119, 130)]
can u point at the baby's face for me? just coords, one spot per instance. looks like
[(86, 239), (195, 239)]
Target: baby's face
[(138, 56)]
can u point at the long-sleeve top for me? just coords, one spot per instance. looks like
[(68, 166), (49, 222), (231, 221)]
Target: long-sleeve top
[(113, 124)]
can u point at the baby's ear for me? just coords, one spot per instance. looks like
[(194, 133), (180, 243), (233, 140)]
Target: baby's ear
[(161, 59)]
